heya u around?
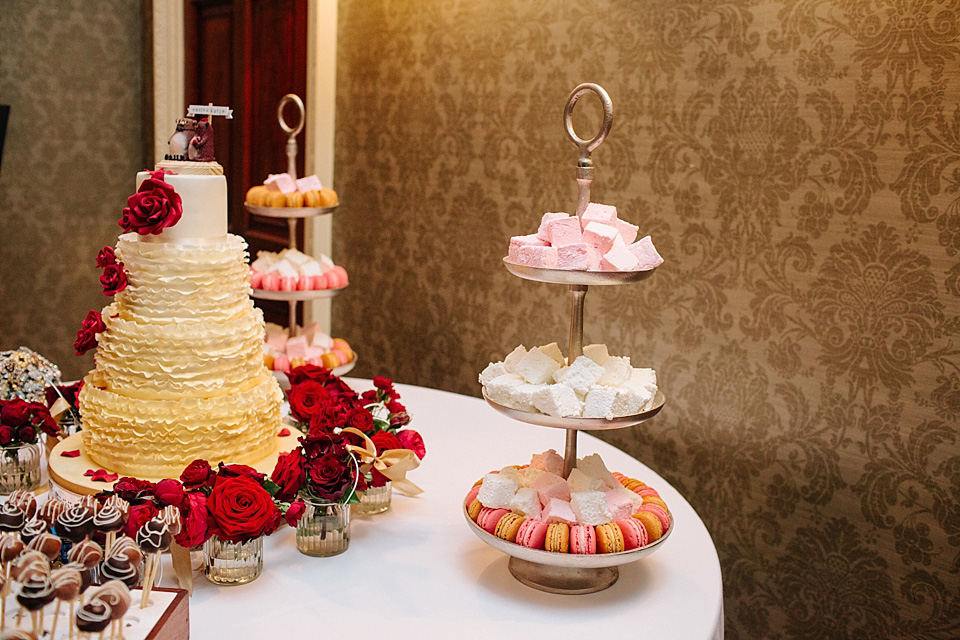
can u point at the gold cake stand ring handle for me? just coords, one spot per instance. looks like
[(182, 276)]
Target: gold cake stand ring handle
[(301, 112), (586, 147)]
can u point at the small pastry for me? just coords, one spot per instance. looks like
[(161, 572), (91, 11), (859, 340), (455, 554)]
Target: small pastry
[(12, 517), (328, 197), (295, 199), (86, 553), (25, 500), (47, 544), (312, 198), (33, 527), (276, 199), (257, 194)]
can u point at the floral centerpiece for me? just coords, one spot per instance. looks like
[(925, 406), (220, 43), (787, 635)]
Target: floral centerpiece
[(21, 424), (344, 431)]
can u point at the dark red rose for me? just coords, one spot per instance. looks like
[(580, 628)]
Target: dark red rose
[(87, 335), (154, 207), (240, 509), (169, 491), (197, 474), (360, 419), (395, 407), (15, 412), (133, 489), (39, 416), (307, 399), (384, 441), (412, 440), (289, 474), (294, 512), (27, 434), (139, 514), (369, 397), (106, 257), (113, 279), (320, 444), (238, 471), (301, 374), (384, 384), (330, 476), (377, 479), (6, 434), (196, 526)]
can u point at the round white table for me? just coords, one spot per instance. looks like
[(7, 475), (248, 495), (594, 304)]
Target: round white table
[(417, 571)]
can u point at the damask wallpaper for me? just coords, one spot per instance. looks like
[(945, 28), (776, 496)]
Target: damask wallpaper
[(797, 164), (71, 72)]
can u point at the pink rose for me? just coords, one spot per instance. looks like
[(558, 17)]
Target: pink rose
[(154, 207), (87, 335), (196, 525), (169, 491), (294, 512), (412, 440)]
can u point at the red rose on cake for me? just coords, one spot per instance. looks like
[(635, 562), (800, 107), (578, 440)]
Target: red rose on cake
[(87, 335), (106, 257), (113, 279), (154, 207), (240, 510)]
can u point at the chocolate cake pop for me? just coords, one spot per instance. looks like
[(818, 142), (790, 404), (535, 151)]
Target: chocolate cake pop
[(93, 617), (12, 517), (118, 567), (36, 592), (25, 500), (27, 562), (66, 582), (75, 524), (172, 518), (10, 547), (86, 553), (47, 544), (86, 575), (50, 510), (154, 538), (117, 596), (32, 528), (109, 519), (125, 546)]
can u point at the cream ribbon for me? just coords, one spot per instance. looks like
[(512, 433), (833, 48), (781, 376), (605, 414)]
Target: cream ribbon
[(393, 463)]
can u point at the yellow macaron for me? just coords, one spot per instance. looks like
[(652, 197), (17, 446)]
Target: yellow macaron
[(473, 509), (651, 523), (558, 538), (508, 526), (609, 538)]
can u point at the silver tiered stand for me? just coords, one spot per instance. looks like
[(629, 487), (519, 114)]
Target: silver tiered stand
[(569, 573), (293, 214)]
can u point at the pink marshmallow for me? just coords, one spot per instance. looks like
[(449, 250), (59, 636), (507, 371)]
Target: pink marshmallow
[(256, 279), (603, 213), (550, 486), (541, 257), (646, 254), (627, 231), (600, 236), (316, 361), (282, 182), (271, 281), (309, 183), (549, 460), (618, 258), (558, 511), (581, 257), (621, 507), (277, 341), (297, 347), (545, 220), (564, 231)]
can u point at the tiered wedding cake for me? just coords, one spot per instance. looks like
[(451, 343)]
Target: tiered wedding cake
[(179, 365)]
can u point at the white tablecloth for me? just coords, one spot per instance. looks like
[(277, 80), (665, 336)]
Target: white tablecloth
[(417, 571)]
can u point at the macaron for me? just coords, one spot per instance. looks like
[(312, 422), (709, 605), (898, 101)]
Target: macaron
[(488, 518), (654, 500), (558, 537), (651, 523), (473, 509), (472, 494), (634, 535), (609, 538), (646, 492), (508, 526), (583, 539), (662, 514), (532, 534)]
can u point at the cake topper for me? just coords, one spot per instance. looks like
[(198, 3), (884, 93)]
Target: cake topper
[(193, 139)]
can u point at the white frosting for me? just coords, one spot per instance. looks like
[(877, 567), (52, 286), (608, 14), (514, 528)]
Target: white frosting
[(204, 207)]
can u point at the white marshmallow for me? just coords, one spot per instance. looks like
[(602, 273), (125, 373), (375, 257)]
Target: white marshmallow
[(580, 481), (536, 367), (616, 371), (590, 507), (500, 389), (523, 396), (496, 492), (515, 356), (581, 375), (526, 502), (596, 352), (599, 402), (491, 371), (558, 400), (554, 352), (594, 467)]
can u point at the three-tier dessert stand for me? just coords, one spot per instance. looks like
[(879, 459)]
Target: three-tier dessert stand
[(570, 573), (293, 216)]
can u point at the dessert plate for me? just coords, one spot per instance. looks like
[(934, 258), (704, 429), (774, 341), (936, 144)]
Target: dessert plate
[(288, 212), (565, 276), (312, 294), (583, 424), (567, 560)]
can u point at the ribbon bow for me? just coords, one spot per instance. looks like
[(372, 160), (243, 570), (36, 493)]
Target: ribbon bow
[(393, 463)]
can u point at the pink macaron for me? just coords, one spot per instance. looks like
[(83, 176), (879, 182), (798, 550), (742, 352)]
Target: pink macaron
[(472, 494), (488, 518), (583, 539), (662, 514), (532, 534), (646, 492), (634, 535)]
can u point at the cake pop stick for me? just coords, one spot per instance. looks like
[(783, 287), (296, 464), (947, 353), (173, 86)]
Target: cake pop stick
[(10, 548), (85, 582), (110, 520), (66, 586), (154, 538)]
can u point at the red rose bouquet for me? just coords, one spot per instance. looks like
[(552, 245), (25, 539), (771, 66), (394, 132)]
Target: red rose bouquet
[(22, 422), (370, 427)]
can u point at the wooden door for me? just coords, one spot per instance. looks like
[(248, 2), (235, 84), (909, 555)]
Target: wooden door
[(248, 54)]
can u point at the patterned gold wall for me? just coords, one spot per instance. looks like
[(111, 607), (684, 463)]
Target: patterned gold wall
[(796, 164), (71, 72)]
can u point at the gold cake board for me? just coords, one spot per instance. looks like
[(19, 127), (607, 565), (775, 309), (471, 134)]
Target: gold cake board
[(68, 472)]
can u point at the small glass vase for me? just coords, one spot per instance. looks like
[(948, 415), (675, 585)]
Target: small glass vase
[(324, 528), (374, 500), (20, 468), (231, 563)]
